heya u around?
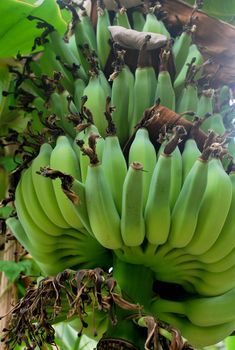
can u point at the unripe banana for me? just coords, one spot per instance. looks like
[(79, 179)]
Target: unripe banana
[(84, 136), (44, 187), (102, 34), (215, 123), (205, 103), (201, 311), (225, 243), (157, 211), (122, 95), (188, 203), (180, 49), (165, 91), (195, 55), (69, 166), (115, 168), (190, 154), (154, 25), (144, 86), (122, 18), (143, 151), (138, 20), (132, 218), (102, 212), (188, 101), (213, 211), (96, 101), (176, 176)]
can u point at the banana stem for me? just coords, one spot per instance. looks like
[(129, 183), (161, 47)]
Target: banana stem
[(135, 282)]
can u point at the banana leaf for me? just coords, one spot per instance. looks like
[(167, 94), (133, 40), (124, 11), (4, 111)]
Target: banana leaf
[(17, 33)]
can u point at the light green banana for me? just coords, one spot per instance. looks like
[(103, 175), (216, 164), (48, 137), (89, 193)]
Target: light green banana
[(189, 155), (144, 86), (79, 87), (122, 95), (224, 244), (102, 212), (186, 209), (188, 101), (154, 25), (143, 151), (205, 103), (165, 91), (201, 311), (157, 211), (96, 101), (138, 20), (84, 136), (102, 34), (180, 48), (122, 18), (34, 207), (44, 187), (195, 55), (196, 335), (132, 218), (70, 166), (215, 123), (115, 168), (176, 176), (62, 49), (213, 211)]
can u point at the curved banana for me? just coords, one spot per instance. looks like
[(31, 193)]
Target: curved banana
[(154, 25), (102, 33), (165, 91), (157, 211), (115, 168), (180, 48), (189, 155), (213, 211), (225, 243), (70, 166), (132, 217), (122, 94), (185, 213), (176, 176), (102, 212), (143, 151), (188, 100), (44, 187)]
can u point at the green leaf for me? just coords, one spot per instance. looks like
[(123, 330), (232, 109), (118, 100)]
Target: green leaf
[(13, 269), (17, 33)]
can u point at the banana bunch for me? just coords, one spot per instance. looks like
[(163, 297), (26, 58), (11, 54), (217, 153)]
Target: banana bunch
[(166, 205)]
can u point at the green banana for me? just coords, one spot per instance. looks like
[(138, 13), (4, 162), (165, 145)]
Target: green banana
[(69, 166), (165, 91), (154, 25), (143, 151), (189, 155), (195, 56), (96, 101), (115, 168), (138, 20), (132, 217), (180, 48), (102, 212), (226, 240), (44, 187), (144, 86), (34, 208), (176, 176), (102, 34), (187, 206), (213, 211), (196, 335), (201, 311), (122, 18), (122, 94), (188, 100), (157, 210)]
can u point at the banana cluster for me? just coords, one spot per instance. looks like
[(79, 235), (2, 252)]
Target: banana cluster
[(168, 207)]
